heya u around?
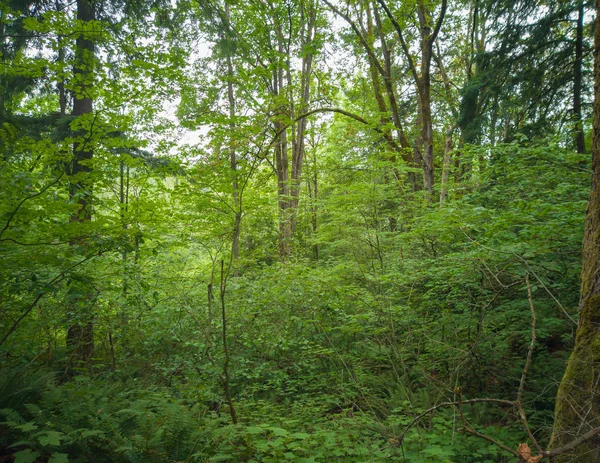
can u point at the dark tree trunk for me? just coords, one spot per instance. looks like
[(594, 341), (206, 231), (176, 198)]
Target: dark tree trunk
[(424, 90), (577, 79), (422, 79), (377, 69), (281, 147), (80, 334)]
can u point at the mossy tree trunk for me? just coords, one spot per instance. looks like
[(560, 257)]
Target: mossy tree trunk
[(578, 400)]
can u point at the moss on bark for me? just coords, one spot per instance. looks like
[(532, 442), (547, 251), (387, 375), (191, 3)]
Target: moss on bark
[(578, 400)]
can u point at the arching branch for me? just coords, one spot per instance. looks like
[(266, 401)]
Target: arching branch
[(356, 117)]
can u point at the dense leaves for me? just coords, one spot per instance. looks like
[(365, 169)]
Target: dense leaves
[(249, 254)]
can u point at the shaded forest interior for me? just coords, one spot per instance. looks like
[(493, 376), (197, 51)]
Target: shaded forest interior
[(299, 230)]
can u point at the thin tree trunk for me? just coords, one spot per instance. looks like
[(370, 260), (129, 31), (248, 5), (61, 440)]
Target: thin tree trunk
[(366, 40), (393, 103), (62, 96), (235, 245), (448, 145), (281, 149), (424, 90), (225, 379), (307, 33), (422, 79), (577, 81)]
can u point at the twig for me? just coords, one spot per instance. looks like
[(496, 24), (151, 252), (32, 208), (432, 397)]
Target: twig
[(519, 404), (562, 308), (471, 430), (474, 432), (61, 276), (16, 209), (452, 404)]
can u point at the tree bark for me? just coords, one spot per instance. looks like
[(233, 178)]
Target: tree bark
[(80, 333), (448, 146), (235, 245), (577, 81), (422, 79), (424, 90), (402, 146), (308, 19), (281, 147), (578, 400)]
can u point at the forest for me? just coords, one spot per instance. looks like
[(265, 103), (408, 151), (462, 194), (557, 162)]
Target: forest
[(300, 231)]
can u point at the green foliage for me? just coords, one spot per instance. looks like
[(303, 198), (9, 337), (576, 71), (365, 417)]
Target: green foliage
[(388, 303)]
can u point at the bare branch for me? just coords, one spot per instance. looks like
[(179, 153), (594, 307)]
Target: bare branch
[(571, 445), (452, 404), (438, 25), (356, 117), (405, 49)]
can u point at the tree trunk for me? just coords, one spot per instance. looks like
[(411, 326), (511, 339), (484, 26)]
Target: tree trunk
[(424, 90), (577, 79), (80, 334), (62, 95), (281, 147), (235, 245), (393, 103), (578, 400), (446, 169), (422, 79), (225, 376), (377, 69), (307, 37)]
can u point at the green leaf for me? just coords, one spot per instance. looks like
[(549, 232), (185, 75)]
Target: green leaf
[(59, 458), (279, 431), (254, 430), (31, 426), (51, 438), (92, 432), (26, 456)]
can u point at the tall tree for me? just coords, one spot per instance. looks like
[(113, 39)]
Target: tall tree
[(578, 402), (429, 28), (80, 335), (578, 80), (381, 68)]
